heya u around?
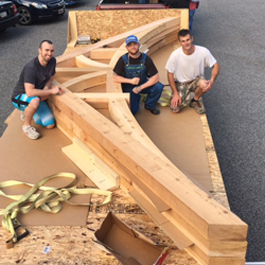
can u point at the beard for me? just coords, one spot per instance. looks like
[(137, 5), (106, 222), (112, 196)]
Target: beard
[(134, 52), (46, 58)]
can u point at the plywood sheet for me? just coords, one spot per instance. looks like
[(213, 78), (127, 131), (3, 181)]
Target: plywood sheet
[(96, 24), (74, 245), (28, 160)]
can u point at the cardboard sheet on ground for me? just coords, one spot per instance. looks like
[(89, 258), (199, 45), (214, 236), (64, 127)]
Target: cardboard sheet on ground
[(28, 160), (180, 138)]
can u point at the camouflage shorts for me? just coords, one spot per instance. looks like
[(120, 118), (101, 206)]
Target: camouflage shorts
[(185, 91)]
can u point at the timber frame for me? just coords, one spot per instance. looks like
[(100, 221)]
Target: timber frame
[(188, 215)]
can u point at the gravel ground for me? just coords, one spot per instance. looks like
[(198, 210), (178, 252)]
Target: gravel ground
[(232, 30)]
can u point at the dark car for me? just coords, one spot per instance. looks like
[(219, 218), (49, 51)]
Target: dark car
[(32, 10), (8, 15)]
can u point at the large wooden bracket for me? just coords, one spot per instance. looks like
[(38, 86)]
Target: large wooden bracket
[(212, 234)]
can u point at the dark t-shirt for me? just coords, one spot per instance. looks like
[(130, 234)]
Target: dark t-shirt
[(150, 67), (35, 74)]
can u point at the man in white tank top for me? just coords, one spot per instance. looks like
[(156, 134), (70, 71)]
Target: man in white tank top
[(185, 72)]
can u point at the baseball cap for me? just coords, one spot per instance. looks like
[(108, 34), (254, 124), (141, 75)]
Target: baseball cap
[(130, 39)]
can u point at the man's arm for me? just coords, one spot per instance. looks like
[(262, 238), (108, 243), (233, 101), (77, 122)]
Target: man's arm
[(120, 79), (152, 72), (176, 99), (151, 81), (118, 74), (49, 83), (32, 91), (215, 72), (46, 87)]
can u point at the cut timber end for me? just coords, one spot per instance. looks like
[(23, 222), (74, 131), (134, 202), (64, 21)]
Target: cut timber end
[(101, 174), (176, 234)]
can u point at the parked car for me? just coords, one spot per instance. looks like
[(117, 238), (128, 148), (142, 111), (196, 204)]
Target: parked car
[(33, 10), (8, 15)]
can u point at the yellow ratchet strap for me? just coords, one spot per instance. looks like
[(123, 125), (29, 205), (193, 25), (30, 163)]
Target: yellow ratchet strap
[(49, 200)]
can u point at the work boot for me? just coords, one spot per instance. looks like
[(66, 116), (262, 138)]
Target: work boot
[(197, 106), (30, 132), (154, 110)]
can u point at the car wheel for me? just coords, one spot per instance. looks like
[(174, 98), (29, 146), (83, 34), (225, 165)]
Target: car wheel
[(25, 17)]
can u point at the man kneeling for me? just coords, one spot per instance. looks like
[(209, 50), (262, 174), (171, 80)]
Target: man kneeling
[(187, 65), (136, 72), (34, 87)]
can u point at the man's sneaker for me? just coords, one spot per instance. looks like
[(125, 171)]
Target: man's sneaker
[(154, 110), (22, 116), (197, 106), (30, 132)]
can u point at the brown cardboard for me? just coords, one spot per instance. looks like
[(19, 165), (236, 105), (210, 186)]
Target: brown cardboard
[(180, 138), (160, 60), (127, 245), (31, 160)]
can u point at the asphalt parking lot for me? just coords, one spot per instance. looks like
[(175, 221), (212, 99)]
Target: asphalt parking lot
[(235, 107), (233, 32)]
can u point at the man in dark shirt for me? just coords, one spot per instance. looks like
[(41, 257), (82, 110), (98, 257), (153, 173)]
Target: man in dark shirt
[(34, 87), (137, 74)]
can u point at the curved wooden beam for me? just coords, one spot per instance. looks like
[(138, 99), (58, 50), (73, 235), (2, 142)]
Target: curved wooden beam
[(102, 53), (101, 100), (63, 74), (122, 116), (87, 81), (83, 61)]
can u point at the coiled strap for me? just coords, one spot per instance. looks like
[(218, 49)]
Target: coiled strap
[(49, 200)]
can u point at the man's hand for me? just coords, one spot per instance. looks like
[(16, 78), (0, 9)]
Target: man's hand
[(176, 100), (207, 85), (135, 81), (57, 90), (137, 89)]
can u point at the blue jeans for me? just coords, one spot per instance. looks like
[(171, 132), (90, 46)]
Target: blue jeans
[(191, 18), (153, 95), (143, 1)]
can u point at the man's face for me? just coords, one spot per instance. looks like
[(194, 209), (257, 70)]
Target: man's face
[(186, 42), (46, 51), (133, 48)]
